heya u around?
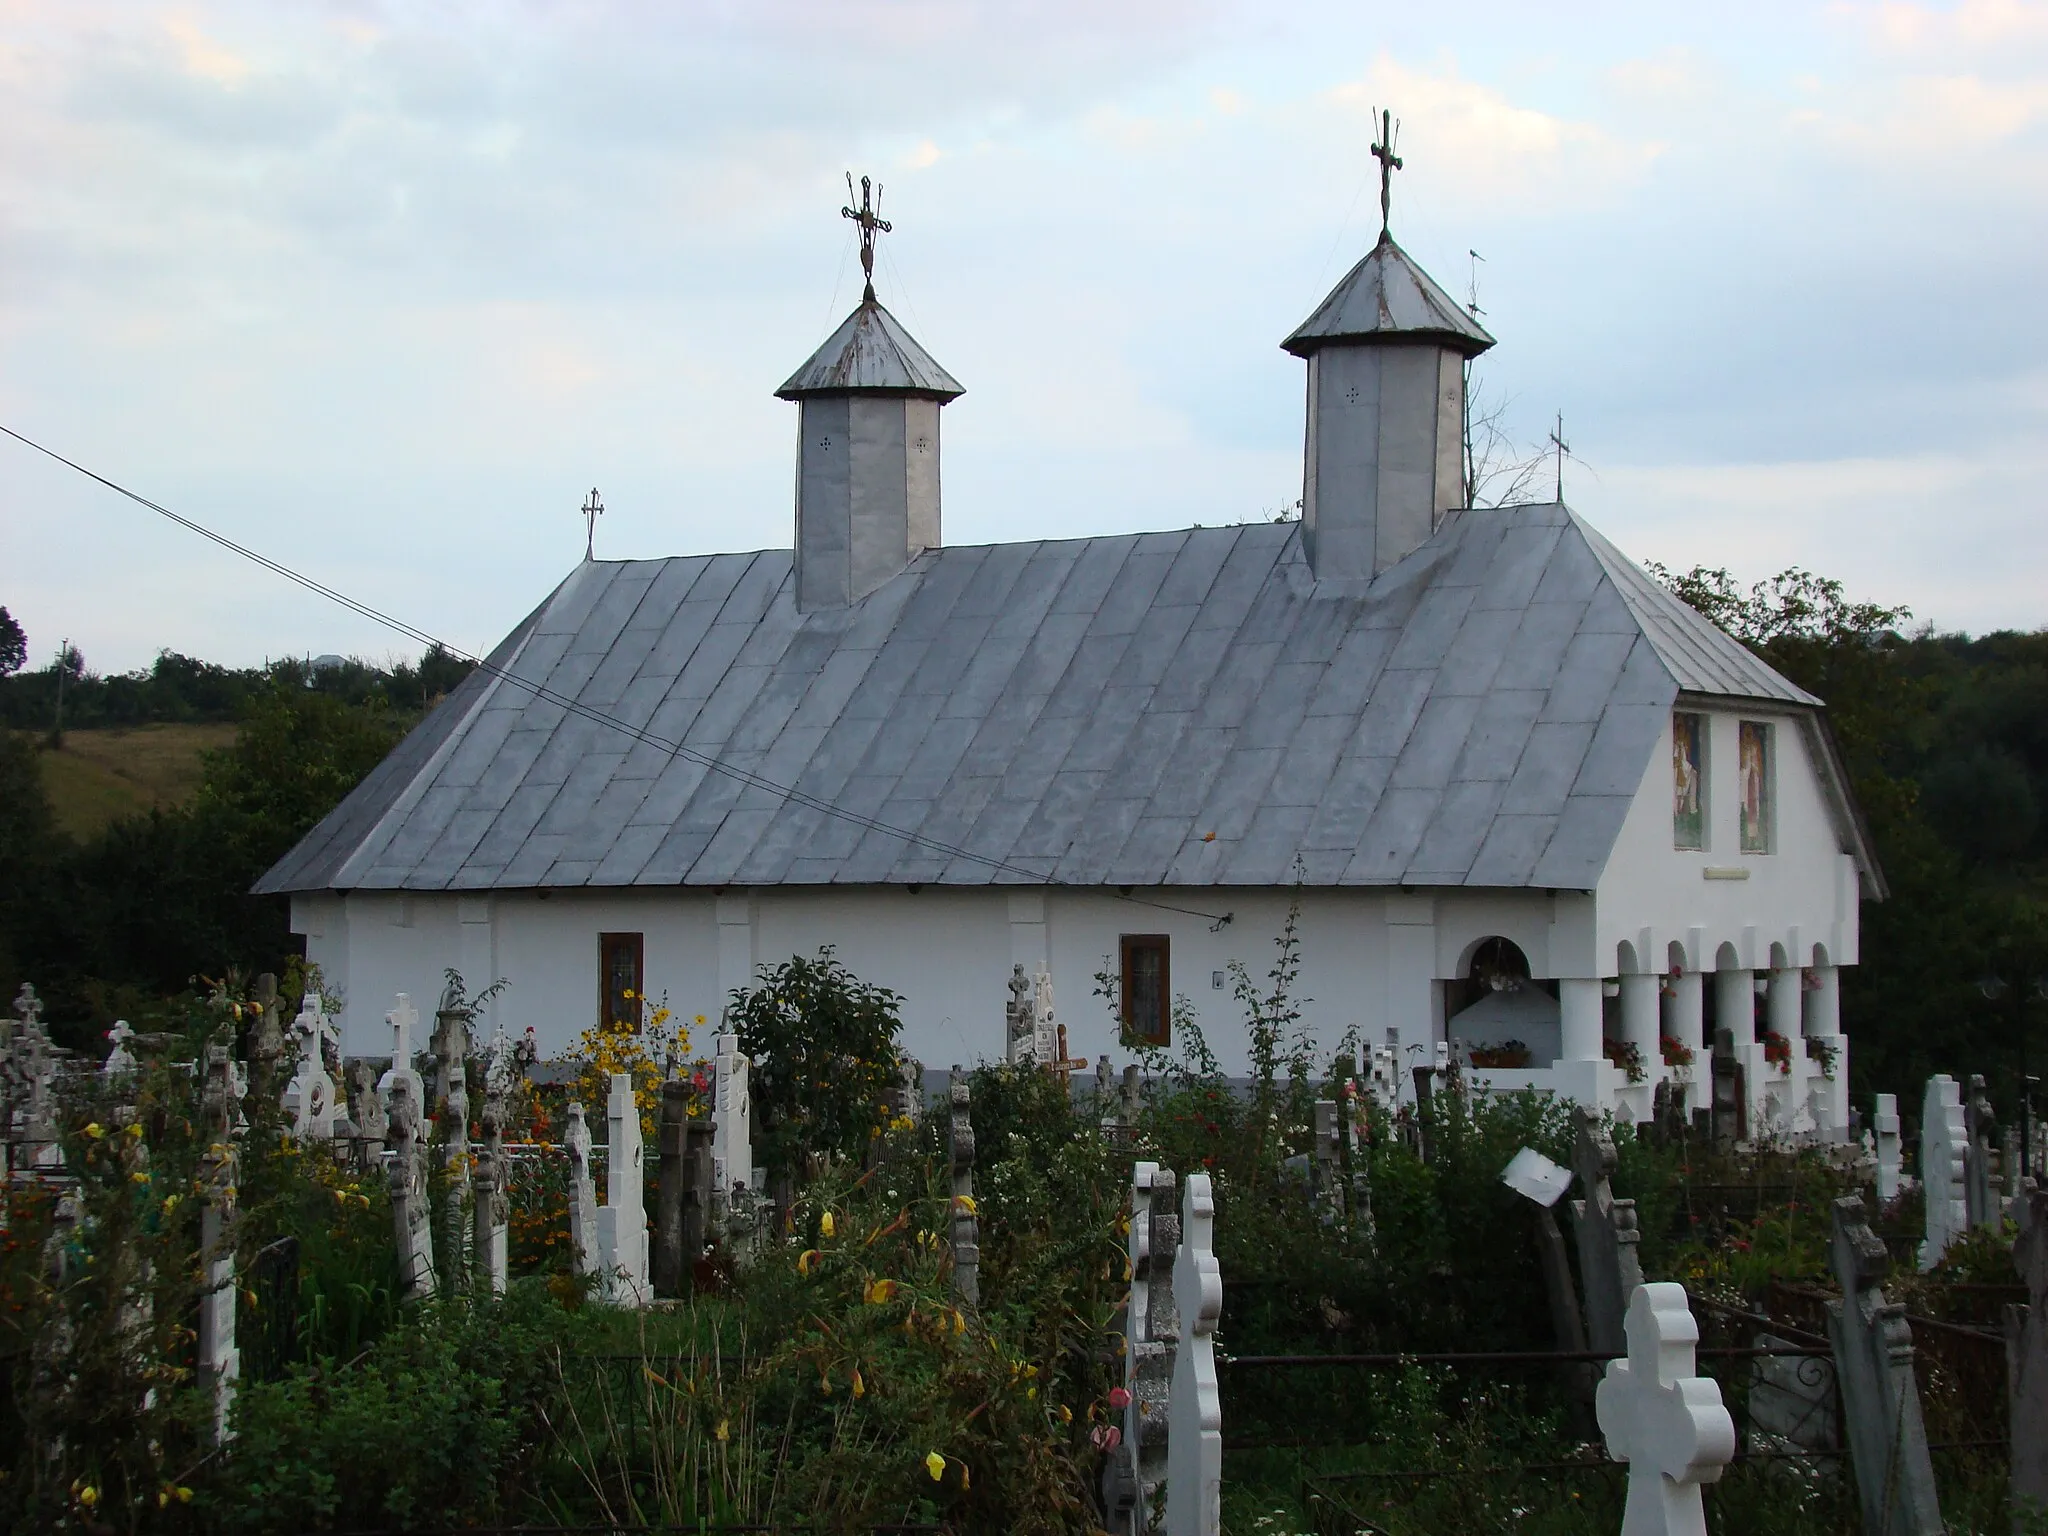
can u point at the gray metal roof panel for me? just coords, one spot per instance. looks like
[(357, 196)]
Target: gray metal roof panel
[(1097, 709), (1388, 297), (871, 351)]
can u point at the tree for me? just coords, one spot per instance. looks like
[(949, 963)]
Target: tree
[(823, 1044), (13, 644)]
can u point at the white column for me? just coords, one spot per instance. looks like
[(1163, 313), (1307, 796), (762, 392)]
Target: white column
[(1411, 983), (1735, 1006), (1685, 1020), (1782, 1008), (1579, 1017), (735, 947), (1639, 1029), (476, 951), (1823, 1019)]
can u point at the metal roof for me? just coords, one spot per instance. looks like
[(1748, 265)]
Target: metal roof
[(1187, 708), (1388, 297), (871, 351)]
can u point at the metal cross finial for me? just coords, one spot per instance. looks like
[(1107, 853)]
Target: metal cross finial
[(592, 510), (1383, 151), (869, 218), (1563, 449)]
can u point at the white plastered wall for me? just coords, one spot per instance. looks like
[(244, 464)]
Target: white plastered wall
[(1803, 893)]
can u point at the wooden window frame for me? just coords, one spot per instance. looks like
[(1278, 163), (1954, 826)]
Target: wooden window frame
[(605, 941), (1127, 944)]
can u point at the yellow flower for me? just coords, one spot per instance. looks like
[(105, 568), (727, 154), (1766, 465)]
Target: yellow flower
[(138, 1177), (959, 1322), (965, 1481), (1066, 1414), (966, 1203), (89, 1496), (825, 1224), (879, 1292), (96, 1131), (859, 1387), (723, 1432), (700, 1018), (808, 1260), (935, 1464), (135, 1129)]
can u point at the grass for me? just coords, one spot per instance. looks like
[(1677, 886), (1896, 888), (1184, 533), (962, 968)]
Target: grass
[(99, 776)]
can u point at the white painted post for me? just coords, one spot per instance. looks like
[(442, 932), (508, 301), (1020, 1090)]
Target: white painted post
[(1662, 1418), (1885, 1126), (1943, 1145), (1194, 1437), (622, 1219)]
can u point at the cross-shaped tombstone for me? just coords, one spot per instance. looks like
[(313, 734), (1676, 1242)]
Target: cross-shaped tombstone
[(966, 1219), (403, 1019), (2026, 1335), (732, 1126), (1194, 1442), (493, 1201), (1020, 1019), (1606, 1229), (1662, 1418), (1880, 1395), (366, 1110), (1329, 1161), (1980, 1132), (120, 1059), (1944, 1153), (309, 1097), (406, 1172), (1050, 1030), (219, 1356)]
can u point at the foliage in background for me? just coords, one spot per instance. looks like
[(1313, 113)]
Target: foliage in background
[(823, 1045)]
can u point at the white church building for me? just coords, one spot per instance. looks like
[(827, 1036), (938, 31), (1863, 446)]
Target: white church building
[(1533, 808)]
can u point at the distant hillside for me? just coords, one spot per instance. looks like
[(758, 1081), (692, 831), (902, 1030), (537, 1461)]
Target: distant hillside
[(100, 776)]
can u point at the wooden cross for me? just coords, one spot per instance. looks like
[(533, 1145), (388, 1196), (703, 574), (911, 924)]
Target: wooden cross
[(592, 510), (1383, 151), (869, 218)]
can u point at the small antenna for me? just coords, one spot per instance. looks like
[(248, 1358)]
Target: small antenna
[(592, 510), (1563, 451), (1472, 287)]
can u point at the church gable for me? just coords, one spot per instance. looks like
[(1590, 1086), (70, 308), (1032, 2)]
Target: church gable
[(1186, 708)]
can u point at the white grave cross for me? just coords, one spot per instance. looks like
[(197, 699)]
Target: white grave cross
[(1668, 1423), (309, 1097), (403, 1019), (1194, 1434), (1942, 1144)]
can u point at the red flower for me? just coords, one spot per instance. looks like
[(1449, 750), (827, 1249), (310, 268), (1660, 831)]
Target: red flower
[(1107, 1437), (1119, 1398)]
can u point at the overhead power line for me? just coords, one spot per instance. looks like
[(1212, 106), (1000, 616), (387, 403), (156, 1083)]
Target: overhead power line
[(572, 705)]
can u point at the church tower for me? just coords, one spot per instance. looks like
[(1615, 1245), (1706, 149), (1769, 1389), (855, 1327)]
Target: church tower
[(1384, 455), (867, 476)]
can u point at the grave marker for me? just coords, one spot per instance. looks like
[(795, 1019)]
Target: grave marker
[(1885, 1131), (732, 1112), (1609, 1269), (671, 1175), (403, 1019), (366, 1113), (493, 1194), (220, 1359), (1980, 1138), (1662, 1418), (1194, 1442), (966, 1219), (582, 1192), (1943, 1154), (2026, 1343), (120, 1060), (622, 1219), (1880, 1397), (309, 1096), (406, 1172)]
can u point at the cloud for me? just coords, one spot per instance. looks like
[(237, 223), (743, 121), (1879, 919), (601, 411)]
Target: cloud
[(204, 57)]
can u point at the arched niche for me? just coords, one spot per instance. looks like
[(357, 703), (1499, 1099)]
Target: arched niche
[(1626, 961), (1675, 957), (1497, 1005)]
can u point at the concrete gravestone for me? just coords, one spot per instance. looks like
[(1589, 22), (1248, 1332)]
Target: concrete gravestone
[(309, 1097), (966, 1218), (1194, 1448), (120, 1059), (2026, 1333), (1943, 1153), (1885, 1127), (1880, 1396), (582, 1193), (622, 1219), (732, 1119), (1981, 1202), (220, 1358), (1135, 1471), (1606, 1229), (403, 1019), (493, 1200), (1667, 1422), (406, 1171)]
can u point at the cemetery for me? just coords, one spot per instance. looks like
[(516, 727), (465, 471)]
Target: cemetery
[(661, 1284)]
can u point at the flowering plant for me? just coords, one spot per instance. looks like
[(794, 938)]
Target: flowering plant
[(1505, 1057), (1676, 1053), (1778, 1051), (1626, 1055)]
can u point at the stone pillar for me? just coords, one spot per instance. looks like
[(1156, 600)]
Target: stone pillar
[(1685, 1020), (1783, 1100), (966, 1219), (1823, 1021), (671, 1183), (1579, 1018), (493, 1199), (696, 1198), (1884, 1126), (1607, 1235), (1639, 1028), (406, 1172)]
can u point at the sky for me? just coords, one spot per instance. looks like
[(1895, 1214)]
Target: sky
[(383, 290)]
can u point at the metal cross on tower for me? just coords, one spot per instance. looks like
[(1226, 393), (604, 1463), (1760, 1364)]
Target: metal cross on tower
[(592, 510), (869, 218), (1563, 450), (1383, 151)]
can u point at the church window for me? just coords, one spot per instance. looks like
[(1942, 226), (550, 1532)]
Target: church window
[(1756, 771), (1147, 989), (1688, 780), (622, 979)]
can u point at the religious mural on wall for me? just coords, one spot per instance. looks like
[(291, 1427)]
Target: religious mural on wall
[(1688, 781), (1753, 767)]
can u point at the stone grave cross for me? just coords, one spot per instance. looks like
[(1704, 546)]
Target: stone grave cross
[(1606, 1229), (1943, 1156), (403, 1019), (406, 1172), (1885, 1126), (1662, 1418), (1194, 1440), (966, 1218), (582, 1192), (1880, 1396), (1020, 1017), (1980, 1133), (622, 1219), (119, 1058), (309, 1097)]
